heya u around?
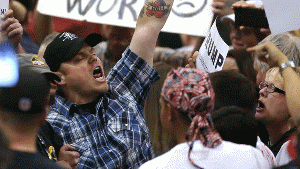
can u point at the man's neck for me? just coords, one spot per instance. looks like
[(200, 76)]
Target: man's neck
[(20, 137), (78, 98), (23, 142)]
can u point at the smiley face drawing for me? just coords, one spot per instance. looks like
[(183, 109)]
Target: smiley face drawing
[(188, 8)]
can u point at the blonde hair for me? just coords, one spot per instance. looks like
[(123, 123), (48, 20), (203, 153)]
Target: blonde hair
[(274, 72)]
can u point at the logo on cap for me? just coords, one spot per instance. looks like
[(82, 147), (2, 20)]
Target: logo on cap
[(25, 104), (37, 61), (67, 36)]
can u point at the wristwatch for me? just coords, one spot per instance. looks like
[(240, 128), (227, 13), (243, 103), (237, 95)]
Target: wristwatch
[(285, 65)]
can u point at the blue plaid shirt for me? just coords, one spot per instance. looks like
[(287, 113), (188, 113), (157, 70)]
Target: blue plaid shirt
[(116, 136)]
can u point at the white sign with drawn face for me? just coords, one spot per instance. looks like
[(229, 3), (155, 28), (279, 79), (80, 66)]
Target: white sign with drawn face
[(283, 15), (187, 16), (4, 4), (213, 52), (188, 8)]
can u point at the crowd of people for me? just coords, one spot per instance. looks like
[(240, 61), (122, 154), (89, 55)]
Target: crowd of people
[(112, 97)]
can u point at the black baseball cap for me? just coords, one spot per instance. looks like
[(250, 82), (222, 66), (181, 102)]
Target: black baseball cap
[(37, 63), (65, 46), (29, 96)]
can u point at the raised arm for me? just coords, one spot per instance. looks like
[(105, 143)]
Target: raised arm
[(151, 20), (291, 78)]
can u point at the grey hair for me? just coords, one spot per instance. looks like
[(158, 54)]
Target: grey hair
[(262, 66), (287, 43)]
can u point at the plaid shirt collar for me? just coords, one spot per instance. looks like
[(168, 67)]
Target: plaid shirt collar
[(65, 106)]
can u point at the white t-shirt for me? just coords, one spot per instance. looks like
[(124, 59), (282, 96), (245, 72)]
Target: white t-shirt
[(266, 152), (225, 156), (282, 157)]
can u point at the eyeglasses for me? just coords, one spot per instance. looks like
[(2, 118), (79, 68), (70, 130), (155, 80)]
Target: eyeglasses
[(270, 88)]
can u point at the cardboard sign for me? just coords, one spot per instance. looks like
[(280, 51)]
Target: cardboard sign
[(187, 16), (213, 52), (4, 4), (283, 15)]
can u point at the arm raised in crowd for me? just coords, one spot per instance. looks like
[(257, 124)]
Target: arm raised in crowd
[(270, 54), (151, 20), (244, 4)]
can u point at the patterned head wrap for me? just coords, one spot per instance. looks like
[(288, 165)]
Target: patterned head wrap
[(190, 91)]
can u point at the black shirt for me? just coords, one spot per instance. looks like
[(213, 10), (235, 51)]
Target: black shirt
[(276, 147), (49, 143), (30, 161)]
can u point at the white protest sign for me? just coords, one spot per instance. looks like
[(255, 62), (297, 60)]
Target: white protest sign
[(283, 15), (187, 16), (213, 52), (4, 4)]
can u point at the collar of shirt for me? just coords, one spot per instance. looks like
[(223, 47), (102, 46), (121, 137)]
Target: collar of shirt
[(68, 108)]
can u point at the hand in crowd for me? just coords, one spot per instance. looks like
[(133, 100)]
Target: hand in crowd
[(192, 60), (218, 6), (269, 53), (243, 4), (10, 28), (69, 155)]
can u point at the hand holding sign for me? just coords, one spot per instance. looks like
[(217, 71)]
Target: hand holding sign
[(192, 60), (124, 13), (213, 51), (10, 29)]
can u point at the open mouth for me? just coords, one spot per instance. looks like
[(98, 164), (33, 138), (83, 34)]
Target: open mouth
[(260, 105), (98, 74)]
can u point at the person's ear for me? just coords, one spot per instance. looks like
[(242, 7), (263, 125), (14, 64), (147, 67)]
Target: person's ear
[(62, 78)]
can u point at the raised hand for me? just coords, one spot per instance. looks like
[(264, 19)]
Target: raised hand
[(10, 29)]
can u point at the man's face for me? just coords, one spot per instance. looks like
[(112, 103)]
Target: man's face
[(272, 108), (236, 40), (249, 37), (84, 73), (244, 38)]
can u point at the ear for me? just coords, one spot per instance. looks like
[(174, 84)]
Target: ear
[(62, 78)]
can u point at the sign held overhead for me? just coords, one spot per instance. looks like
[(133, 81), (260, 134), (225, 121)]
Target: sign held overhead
[(184, 17)]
